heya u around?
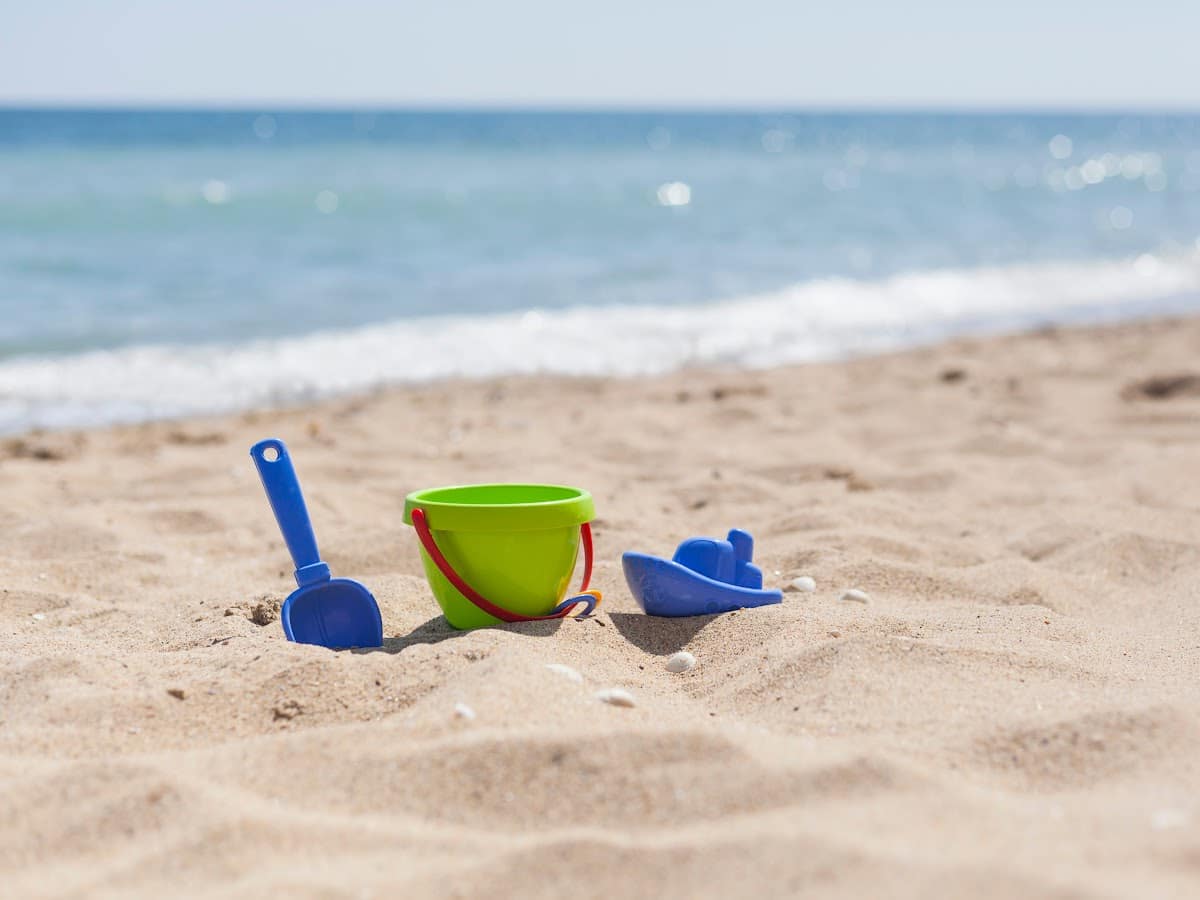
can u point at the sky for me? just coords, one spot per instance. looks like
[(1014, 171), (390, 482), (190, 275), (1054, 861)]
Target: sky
[(624, 53)]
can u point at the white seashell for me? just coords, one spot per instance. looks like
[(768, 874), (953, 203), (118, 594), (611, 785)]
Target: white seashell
[(806, 584), (854, 595), (616, 697), (680, 662), (39, 616), (566, 672), (462, 711)]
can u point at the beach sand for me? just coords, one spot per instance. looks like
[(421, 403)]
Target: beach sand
[(1016, 711)]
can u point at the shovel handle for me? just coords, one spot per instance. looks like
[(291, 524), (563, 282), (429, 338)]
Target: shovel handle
[(590, 598), (278, 476)]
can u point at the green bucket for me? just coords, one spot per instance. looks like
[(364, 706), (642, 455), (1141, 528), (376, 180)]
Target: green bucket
[(513, 546)]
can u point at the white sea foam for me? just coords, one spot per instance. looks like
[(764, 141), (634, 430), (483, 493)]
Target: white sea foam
[(810, 321)]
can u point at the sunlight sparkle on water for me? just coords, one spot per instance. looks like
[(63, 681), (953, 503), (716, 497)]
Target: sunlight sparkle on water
[(1131, 167), (215, 192), (326, 202), (1156, 181), (674, 193), (1121, 217), (1061, 146), (1092, 171)]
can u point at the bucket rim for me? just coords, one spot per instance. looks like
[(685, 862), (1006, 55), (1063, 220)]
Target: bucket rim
[(549, 506)]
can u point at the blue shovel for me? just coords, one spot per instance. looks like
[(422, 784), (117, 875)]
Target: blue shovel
[(330, 612)]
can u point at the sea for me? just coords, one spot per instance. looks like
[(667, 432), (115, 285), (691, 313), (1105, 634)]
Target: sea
[(162, 263)]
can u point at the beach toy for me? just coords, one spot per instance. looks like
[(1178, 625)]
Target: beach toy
[(706, 576), (503, 552), (331, 612)]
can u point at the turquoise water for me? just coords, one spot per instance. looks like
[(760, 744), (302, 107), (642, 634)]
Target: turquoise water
[(164, 263)]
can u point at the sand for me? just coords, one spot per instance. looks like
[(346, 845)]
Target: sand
[(1016, 711)]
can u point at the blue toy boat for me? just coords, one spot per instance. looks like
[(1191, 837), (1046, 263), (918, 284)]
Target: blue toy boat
[(706, 576)]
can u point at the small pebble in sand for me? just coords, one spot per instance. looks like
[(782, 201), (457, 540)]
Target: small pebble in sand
[(854, 595), (566, 672), (462, 711), (805, 584), (177, 693), (680, 662), (616, 697), (287, 710), (37, 617)]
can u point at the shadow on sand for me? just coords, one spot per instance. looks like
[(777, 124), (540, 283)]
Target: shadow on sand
[(658, 635), (438, 629)]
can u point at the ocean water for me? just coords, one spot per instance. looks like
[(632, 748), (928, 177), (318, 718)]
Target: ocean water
[(163, 263)]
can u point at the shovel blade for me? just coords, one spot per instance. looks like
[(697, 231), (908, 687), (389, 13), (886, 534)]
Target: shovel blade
[(337, 614)]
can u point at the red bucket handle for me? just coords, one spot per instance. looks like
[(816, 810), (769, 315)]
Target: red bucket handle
[(591, 598)]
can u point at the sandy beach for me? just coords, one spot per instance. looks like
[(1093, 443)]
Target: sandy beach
[(1015, 712)]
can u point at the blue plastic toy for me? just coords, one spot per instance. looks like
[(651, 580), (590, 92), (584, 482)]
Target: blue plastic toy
[(330, 612), (706, 576)]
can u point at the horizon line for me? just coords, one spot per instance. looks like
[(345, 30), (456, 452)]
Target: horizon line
[(664, 108)]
